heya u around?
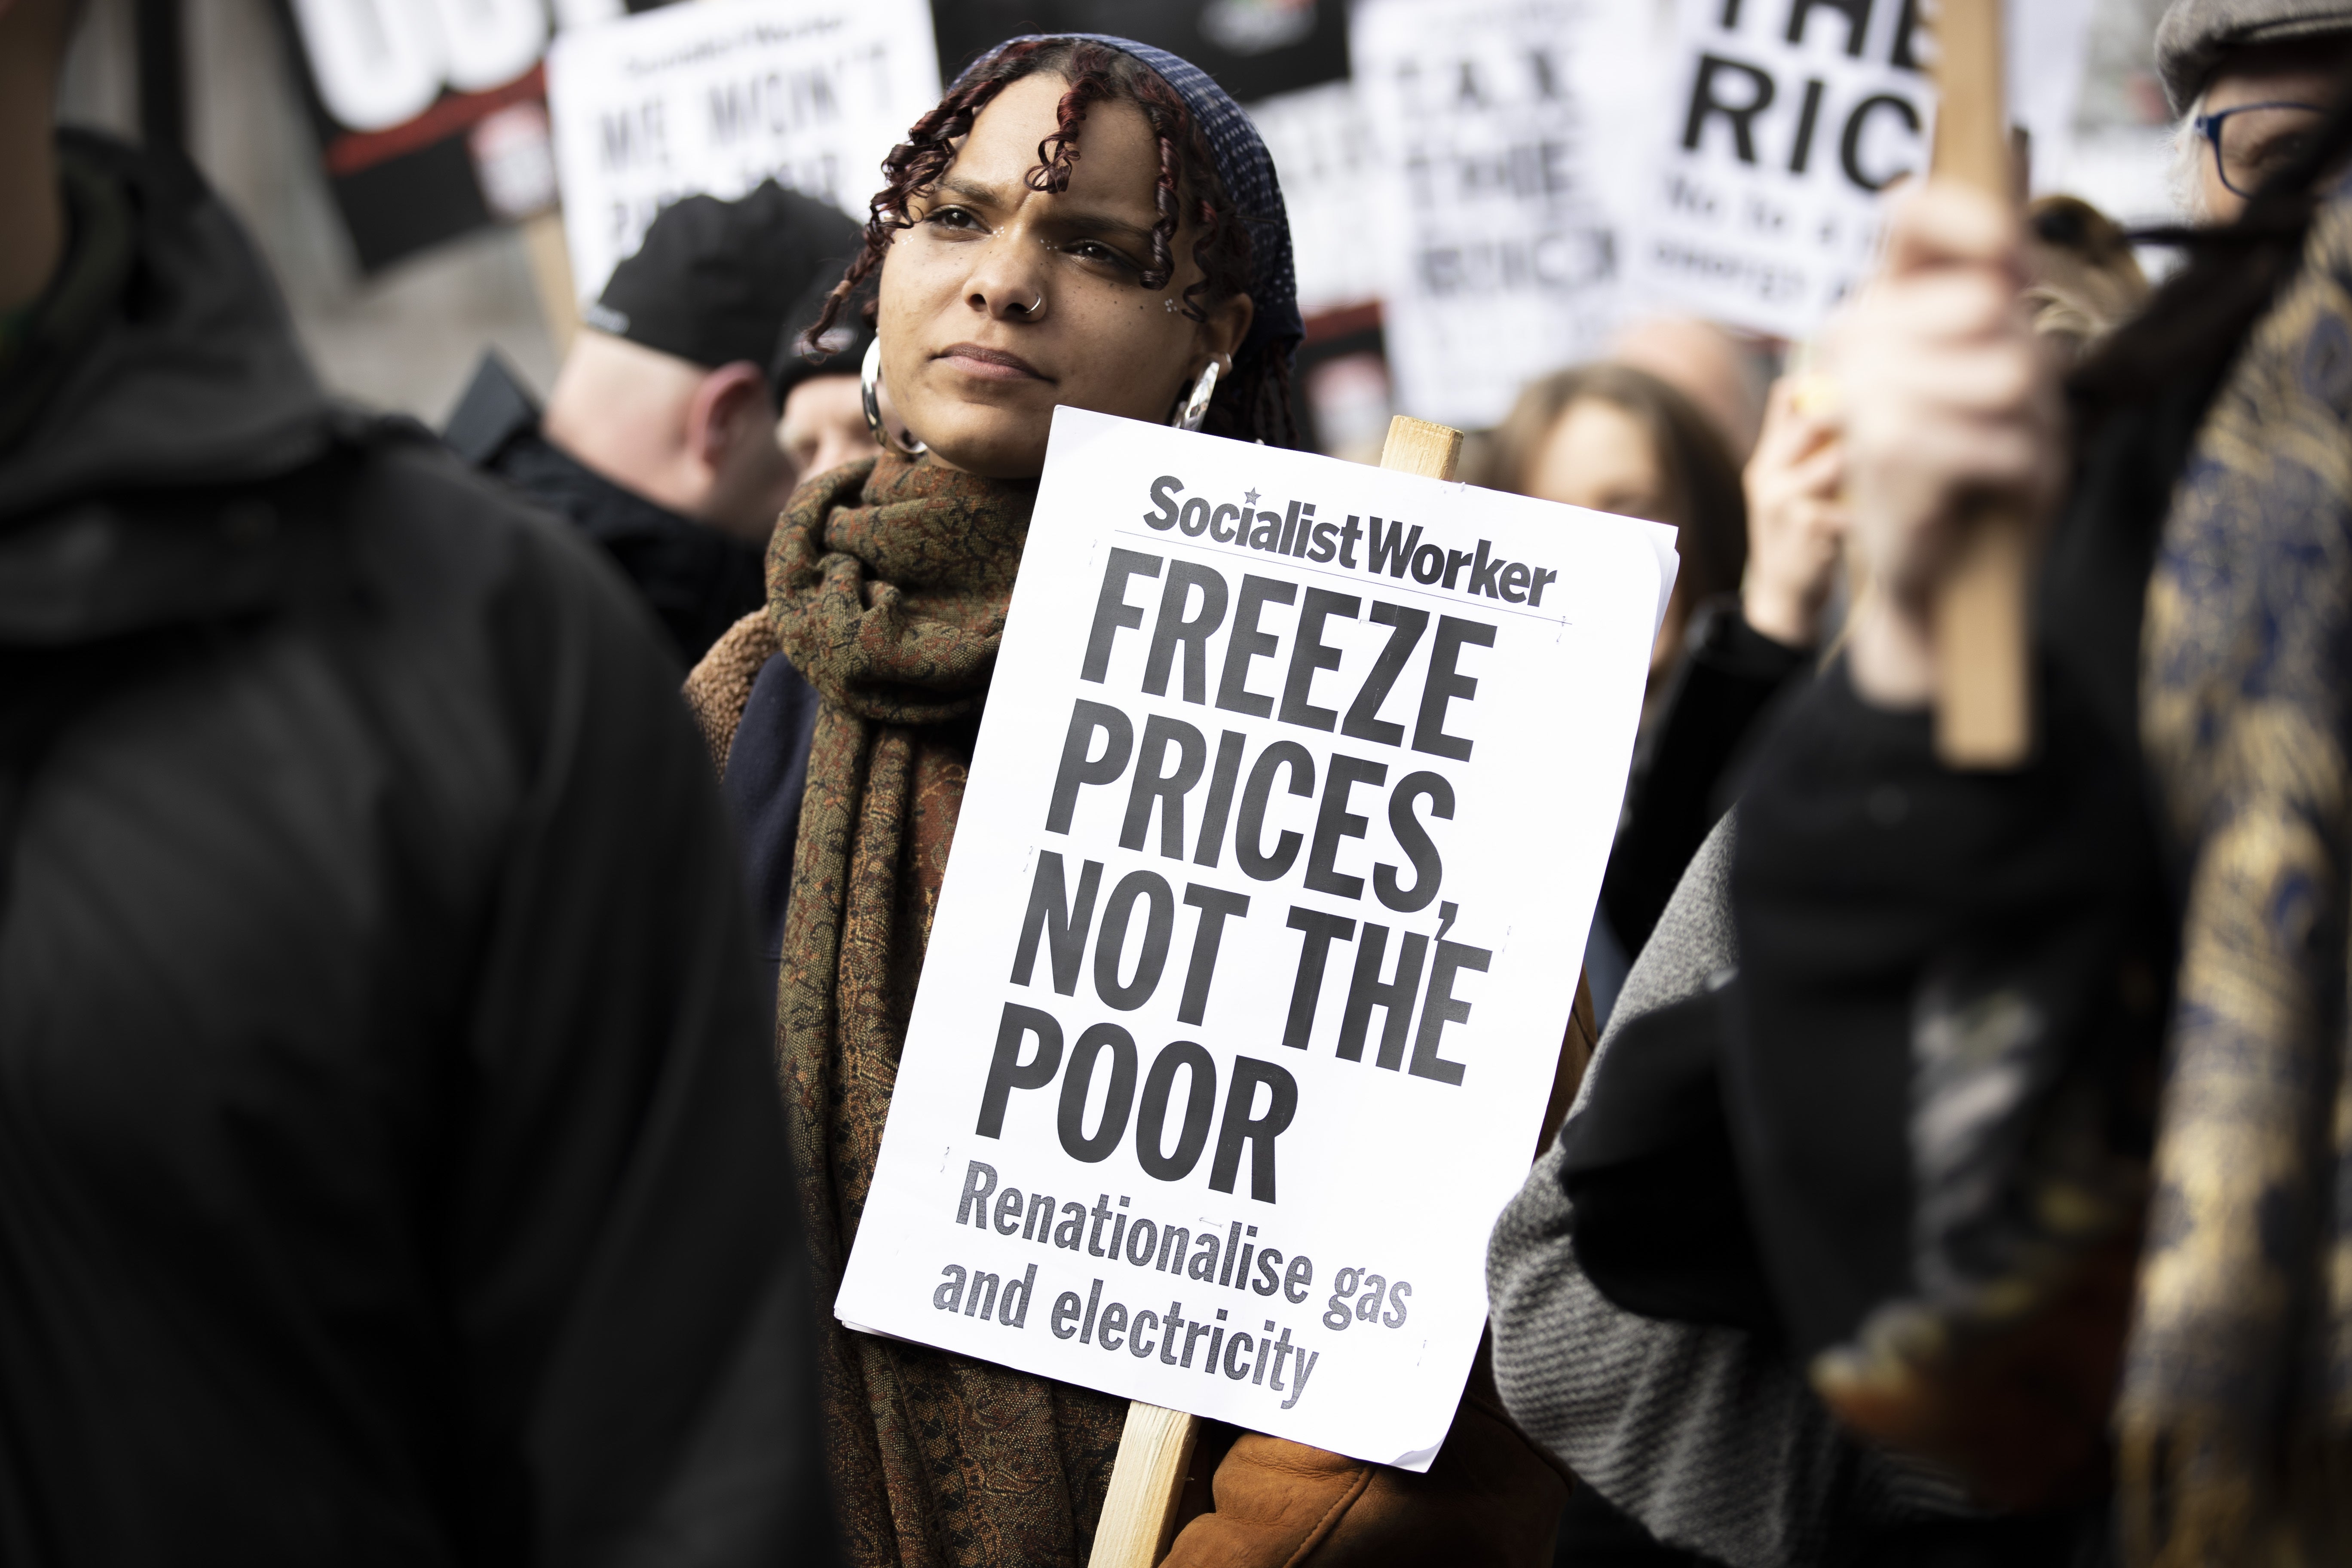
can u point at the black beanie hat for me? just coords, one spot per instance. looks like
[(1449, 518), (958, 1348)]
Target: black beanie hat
[(714, 281), (840, 352)]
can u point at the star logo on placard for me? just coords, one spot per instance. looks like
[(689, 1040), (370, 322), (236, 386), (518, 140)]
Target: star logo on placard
[(1249, 497)]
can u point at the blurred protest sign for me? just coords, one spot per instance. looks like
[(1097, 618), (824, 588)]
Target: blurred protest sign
[(1252, 48), (714, 97), (1240, 1004), (1787, 118), (1502, 135), (1322, 153), (430, 113)]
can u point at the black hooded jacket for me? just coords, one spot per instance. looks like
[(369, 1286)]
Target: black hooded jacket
[(698, 580), (390, 1169)]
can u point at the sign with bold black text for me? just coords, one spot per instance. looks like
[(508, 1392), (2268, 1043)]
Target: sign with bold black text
[(1501, 133), (1261, 930), (1784, 120), (712, 98), (431, 116)]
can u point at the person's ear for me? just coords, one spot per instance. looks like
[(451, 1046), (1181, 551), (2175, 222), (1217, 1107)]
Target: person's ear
[(732, 401), (1221, 336)]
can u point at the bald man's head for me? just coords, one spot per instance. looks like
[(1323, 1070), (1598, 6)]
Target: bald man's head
[(1706, 364), (701, 442)]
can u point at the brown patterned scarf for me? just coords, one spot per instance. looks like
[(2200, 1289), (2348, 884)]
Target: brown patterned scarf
[(887, 584)]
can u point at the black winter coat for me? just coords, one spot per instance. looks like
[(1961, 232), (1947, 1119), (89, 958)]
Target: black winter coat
[(697, 580), (390, 1169)]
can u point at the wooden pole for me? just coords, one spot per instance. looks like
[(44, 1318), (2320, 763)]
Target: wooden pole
[(1984, 715), (551, 276), (1417, 447), (1155, 1450), (1147, 1481)]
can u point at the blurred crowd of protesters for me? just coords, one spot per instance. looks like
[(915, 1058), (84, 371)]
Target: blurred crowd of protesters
[(1659, 430), (1964, 1175), (392, 1162)]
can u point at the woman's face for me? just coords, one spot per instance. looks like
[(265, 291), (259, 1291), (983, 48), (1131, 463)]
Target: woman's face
[(1600, 456), (1001, 302)]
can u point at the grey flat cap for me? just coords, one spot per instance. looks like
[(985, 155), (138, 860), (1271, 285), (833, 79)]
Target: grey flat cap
[(2196, 34)]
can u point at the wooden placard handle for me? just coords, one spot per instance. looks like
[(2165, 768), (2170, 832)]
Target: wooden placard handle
[(1147, 1481), (551, 276), (1417, 447), (1155, 1448), (1984, 710)]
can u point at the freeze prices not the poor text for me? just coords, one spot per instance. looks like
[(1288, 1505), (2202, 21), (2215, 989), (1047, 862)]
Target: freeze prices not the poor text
[(1219, 804)]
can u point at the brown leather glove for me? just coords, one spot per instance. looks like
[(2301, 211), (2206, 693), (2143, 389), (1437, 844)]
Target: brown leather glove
[(1491, 1498), (1272, 1501)]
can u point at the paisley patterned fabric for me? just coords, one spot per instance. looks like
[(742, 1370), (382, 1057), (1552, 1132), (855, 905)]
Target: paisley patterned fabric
[(887, 584), (2237, 1399)]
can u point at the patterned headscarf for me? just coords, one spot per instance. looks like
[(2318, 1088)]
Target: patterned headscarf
[(1243, 165)]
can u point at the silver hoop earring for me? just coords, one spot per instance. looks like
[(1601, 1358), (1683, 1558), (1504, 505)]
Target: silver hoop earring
[(869, 387), (1195, 412)]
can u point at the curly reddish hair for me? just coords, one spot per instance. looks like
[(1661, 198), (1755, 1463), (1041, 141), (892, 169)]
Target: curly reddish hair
[(1252, 402)]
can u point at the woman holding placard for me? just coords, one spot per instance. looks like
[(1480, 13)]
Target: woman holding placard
[(1081, 221)]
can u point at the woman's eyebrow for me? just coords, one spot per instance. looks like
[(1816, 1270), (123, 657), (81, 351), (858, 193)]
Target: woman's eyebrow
[(974, 191)]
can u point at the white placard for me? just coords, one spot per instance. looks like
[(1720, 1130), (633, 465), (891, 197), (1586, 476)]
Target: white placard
[(714, 97), (1783, 122), (1323, 155), (1504, 130), (1397, 757)]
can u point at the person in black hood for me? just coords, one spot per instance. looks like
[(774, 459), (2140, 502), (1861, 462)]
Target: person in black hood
[(682, 417), (391, 1167)]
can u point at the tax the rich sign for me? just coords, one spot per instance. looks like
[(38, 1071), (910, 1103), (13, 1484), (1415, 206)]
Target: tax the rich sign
[(1500, 164), (1260, 932), (1784, 120)]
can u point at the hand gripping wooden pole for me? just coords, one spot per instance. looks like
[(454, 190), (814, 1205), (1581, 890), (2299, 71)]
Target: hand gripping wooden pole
[(1984, 715), (1155, 1450)]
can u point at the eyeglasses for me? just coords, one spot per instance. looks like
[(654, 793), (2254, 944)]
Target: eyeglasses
[(2255, 141)]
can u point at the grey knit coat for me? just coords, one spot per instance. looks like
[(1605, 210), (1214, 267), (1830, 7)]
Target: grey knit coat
[(1711, 1441)]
